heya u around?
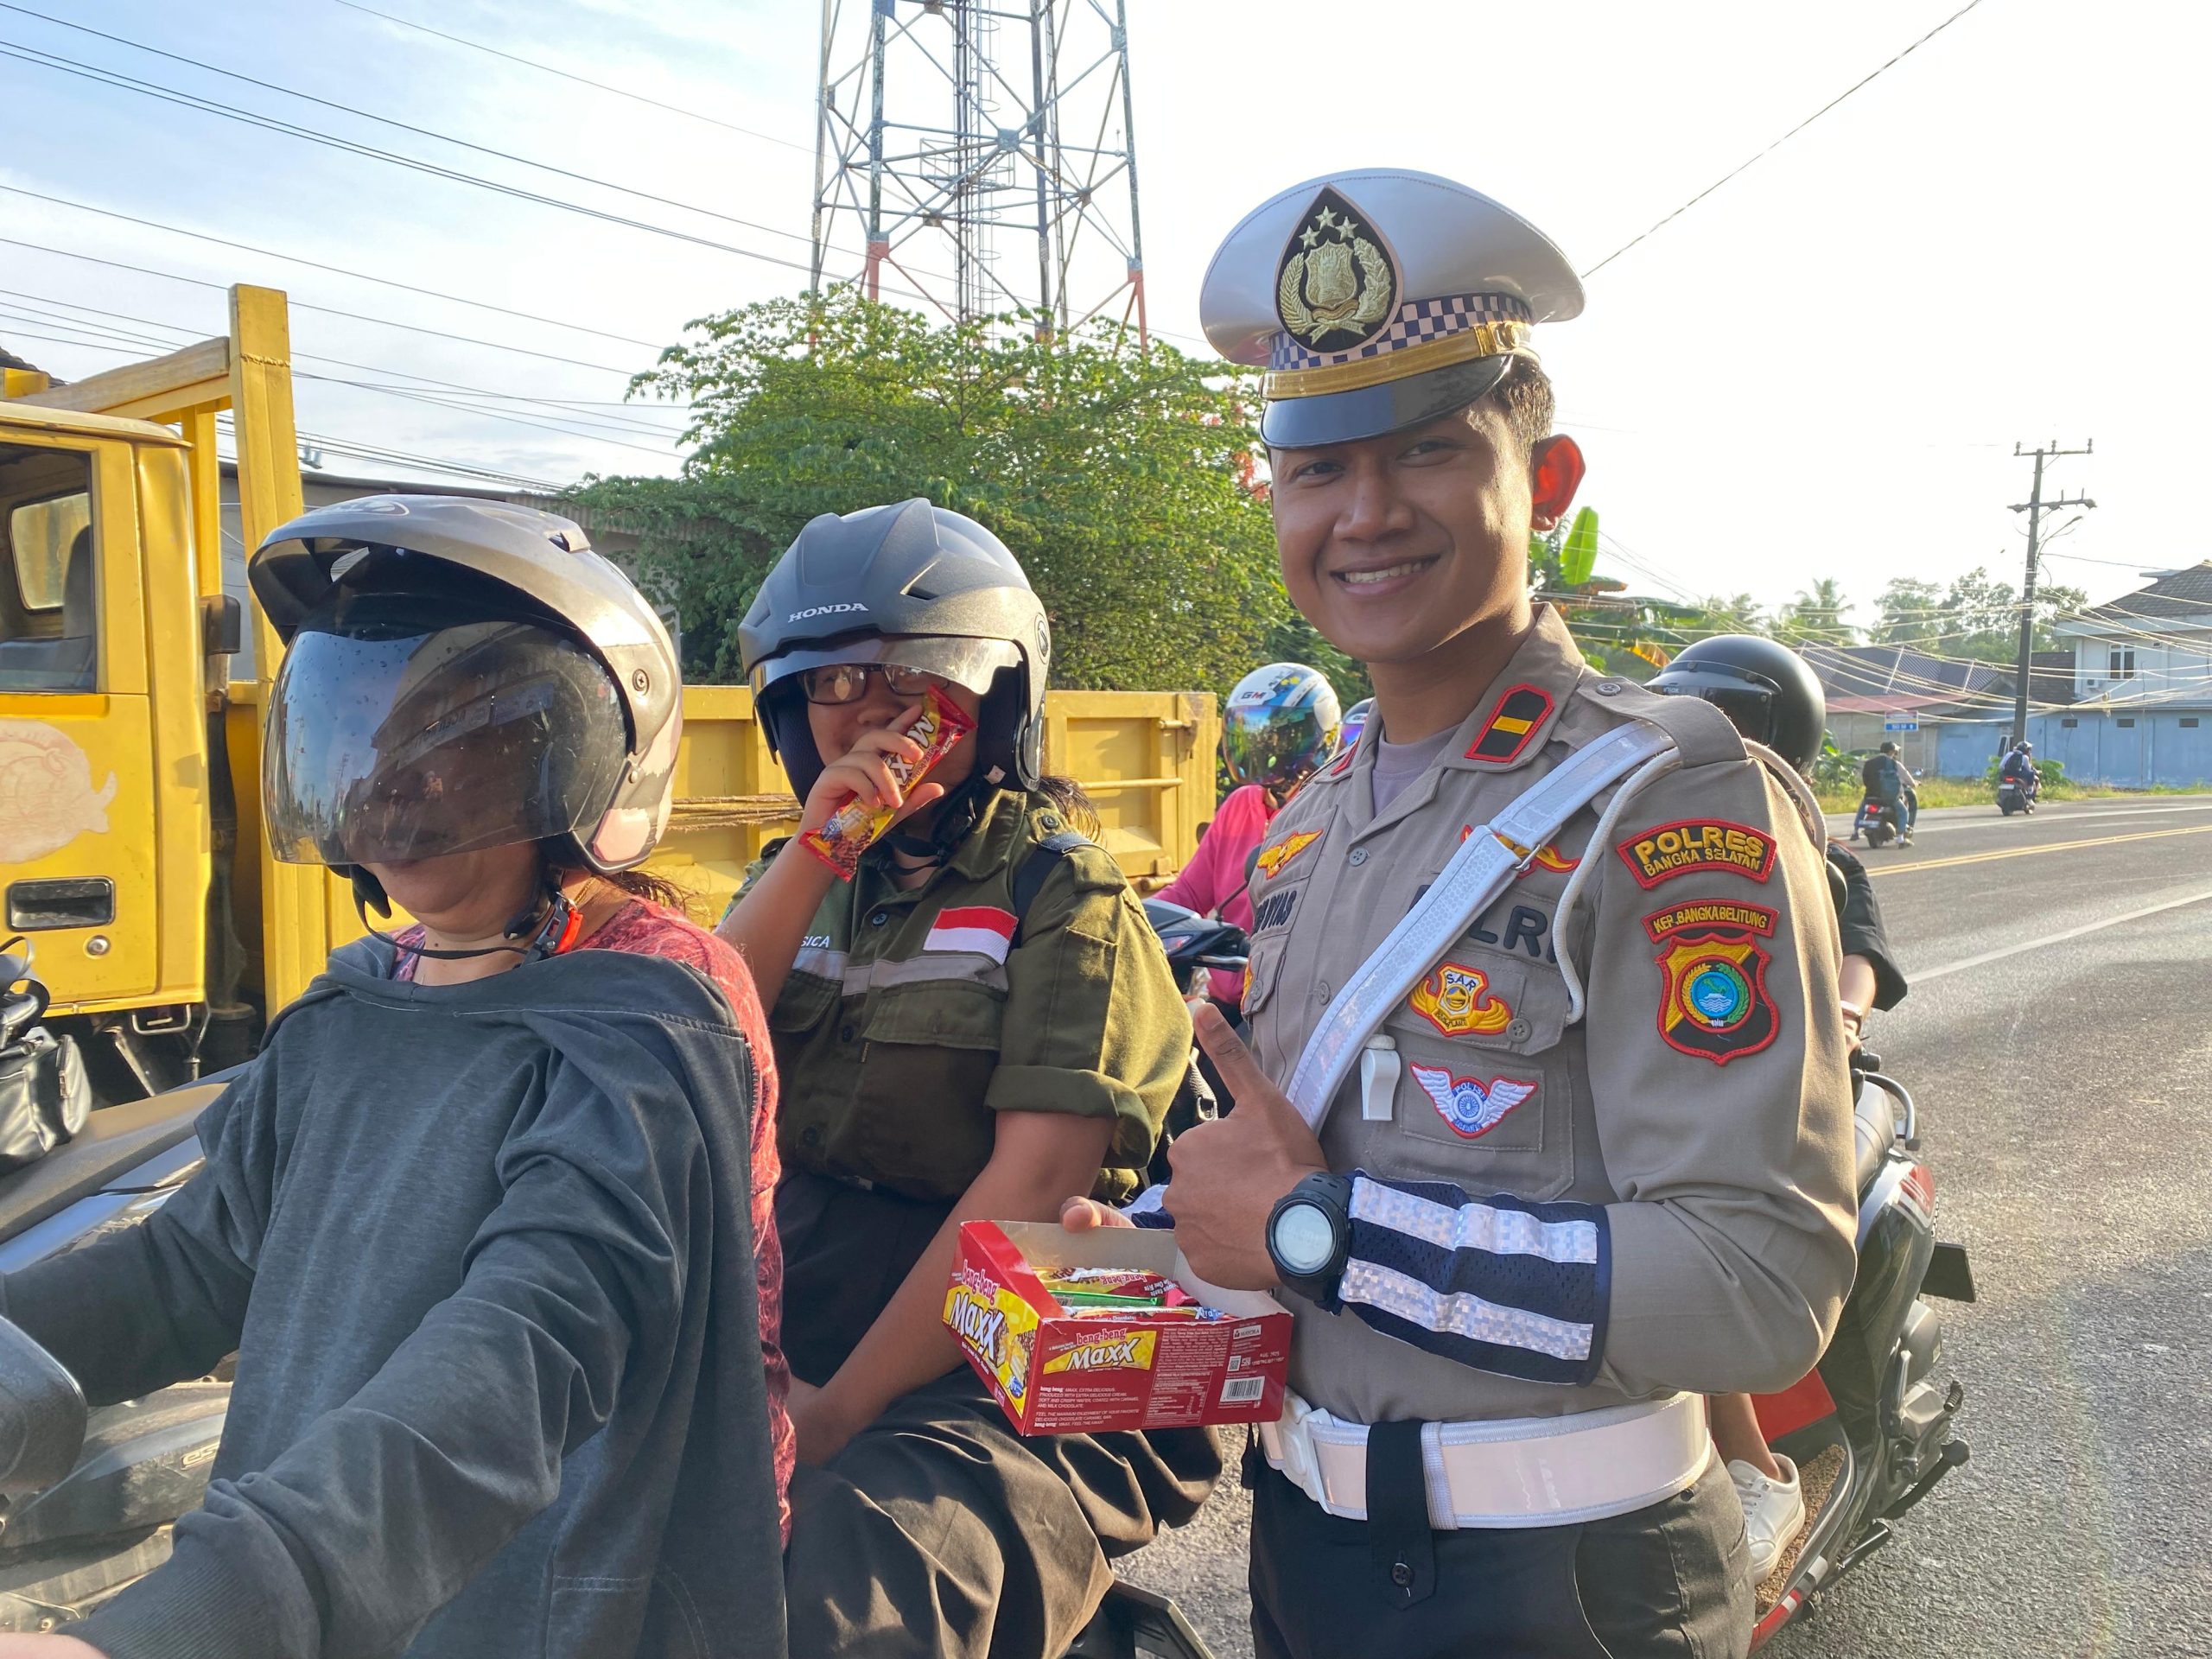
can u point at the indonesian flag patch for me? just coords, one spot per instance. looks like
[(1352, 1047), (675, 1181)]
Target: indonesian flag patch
[(978, 930)]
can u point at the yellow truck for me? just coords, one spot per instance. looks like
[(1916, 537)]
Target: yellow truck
[(131, 846)]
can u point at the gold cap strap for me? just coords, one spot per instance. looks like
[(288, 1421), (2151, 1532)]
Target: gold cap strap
[(1483, 339)]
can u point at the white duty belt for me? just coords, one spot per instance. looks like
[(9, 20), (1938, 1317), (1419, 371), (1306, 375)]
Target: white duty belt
[(1516, 1472)]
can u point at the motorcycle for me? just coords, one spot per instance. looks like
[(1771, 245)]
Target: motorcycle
[(88, 1507), (1195, 942), (87, 1511), (1877, 821), (1872, 1420), (2014, 797)]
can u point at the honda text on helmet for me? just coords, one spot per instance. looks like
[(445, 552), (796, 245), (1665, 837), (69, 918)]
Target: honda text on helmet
[(461, 674), (903, 590), (1764, 687), (1277, 725)]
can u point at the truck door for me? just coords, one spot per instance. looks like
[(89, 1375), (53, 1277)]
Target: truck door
[(77, 810)]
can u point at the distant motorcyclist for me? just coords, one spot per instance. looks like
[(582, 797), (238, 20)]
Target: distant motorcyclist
[(2019, 767), (1886, 780), (1280, 723)]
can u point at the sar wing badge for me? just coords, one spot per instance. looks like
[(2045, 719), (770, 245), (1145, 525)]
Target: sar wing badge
[(1472, 1107)]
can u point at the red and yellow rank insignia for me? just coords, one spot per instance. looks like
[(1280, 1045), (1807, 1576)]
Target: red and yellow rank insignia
[(1673, 849), (1458, 1001), (1511, 724), (1715, 1004), (1270, 859)]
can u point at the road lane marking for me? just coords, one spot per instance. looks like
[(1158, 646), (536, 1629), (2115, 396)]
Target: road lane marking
[(1839, 823), (1986, 956), (2029, 852)]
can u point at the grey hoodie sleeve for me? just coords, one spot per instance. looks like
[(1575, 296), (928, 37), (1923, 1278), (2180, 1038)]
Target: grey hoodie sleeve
[(350, 1540), (156, 1304)]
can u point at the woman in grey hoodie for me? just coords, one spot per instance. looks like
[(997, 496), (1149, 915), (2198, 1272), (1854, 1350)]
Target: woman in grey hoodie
[(480, 1221)]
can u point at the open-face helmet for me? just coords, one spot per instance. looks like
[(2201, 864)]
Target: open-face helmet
[(908, 584), (461, 674)]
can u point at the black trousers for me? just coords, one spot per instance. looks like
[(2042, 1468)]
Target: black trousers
[(938, 1532), (1667, 1582)]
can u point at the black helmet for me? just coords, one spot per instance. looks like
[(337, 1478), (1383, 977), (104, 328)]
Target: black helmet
[(1888, 746), (461, 674), (1763, 687), (910, 583)]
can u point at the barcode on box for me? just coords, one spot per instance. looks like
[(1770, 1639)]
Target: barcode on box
[(1242, 1390)]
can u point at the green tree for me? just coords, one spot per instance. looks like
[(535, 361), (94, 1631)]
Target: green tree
[(1976, 616), (1124, 481), (1815, 616)]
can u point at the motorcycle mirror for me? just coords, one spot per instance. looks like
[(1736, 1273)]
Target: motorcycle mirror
[(41, 1415)]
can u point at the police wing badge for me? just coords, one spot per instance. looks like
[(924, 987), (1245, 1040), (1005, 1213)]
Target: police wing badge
[(1334, 282)]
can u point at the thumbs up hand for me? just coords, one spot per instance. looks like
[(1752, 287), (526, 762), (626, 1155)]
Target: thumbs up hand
[(1227, 1175)]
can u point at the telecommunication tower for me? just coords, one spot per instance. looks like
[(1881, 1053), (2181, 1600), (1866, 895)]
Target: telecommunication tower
[(950, 132)]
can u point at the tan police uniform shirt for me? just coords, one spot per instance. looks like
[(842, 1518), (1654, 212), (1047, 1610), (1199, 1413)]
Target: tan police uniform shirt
[(910, 1018), (1697, 1088)]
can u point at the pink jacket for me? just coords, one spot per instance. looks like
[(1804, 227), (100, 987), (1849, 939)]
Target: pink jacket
[(1214, 881)]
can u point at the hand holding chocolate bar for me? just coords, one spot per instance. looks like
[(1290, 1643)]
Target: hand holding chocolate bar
[(852, 827)]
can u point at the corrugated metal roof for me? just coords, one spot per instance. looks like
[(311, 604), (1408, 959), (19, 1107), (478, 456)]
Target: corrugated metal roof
[(2179, 595)]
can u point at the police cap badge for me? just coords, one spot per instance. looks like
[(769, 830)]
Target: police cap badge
[(1378, 299)]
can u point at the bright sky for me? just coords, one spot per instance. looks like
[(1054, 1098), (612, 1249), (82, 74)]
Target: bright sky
[(1819, 371)]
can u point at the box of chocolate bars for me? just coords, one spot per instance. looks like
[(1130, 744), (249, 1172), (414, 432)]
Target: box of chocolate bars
[(1077, 1333)]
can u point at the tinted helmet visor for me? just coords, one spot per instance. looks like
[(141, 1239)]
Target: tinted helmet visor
[(399, 731)]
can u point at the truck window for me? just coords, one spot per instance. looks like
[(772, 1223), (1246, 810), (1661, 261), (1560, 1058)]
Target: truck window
[(49, 637)]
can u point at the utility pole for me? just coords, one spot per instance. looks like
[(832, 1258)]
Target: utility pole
[(2035, 506)]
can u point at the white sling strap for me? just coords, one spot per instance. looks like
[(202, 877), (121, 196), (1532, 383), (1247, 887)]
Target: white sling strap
[(1483, 865)]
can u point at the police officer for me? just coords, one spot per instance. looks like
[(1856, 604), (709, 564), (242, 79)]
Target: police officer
[(979, 1018), (1596, 1163)]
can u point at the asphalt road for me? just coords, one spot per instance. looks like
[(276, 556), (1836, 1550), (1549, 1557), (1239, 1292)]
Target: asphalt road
[(2058, 1039)]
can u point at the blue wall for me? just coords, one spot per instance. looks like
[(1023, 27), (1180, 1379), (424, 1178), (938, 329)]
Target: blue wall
[(2155, 748)]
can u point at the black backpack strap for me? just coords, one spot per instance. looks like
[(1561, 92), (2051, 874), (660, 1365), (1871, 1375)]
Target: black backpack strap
[(1036, 870)]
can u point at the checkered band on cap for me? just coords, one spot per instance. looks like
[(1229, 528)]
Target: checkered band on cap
[(1418, 323)]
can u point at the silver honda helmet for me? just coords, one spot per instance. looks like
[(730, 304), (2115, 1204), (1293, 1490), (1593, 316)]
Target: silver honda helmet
[(913, 584), (461, 674)]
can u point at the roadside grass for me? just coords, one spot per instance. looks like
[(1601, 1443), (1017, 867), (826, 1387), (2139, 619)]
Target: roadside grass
[(1974, 792)]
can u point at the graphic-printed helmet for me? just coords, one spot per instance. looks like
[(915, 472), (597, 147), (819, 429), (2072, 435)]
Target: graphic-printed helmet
[(909, 583), (1355, 722), (1279, 724), (1763, 687), (461, 674)]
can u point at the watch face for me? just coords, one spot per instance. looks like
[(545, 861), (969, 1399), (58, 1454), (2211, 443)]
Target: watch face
[(1304, 1239)]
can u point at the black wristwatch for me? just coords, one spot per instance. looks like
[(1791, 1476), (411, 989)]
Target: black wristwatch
[(1309, 1236)]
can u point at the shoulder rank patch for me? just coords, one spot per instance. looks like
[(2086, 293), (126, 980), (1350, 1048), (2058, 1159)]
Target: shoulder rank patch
[(1458, 1001), (1664, 925), (1674, 849), (1470, 1106), (1270, 859), (1515, 720), (1715, 1004)]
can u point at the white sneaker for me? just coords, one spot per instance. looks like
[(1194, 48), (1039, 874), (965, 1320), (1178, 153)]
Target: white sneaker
[(1774, 1511)]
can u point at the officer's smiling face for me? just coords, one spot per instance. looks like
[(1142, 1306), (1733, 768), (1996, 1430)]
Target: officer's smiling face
[(1395, 547)]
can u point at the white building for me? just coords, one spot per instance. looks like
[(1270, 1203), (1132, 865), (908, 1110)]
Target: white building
[(2155, 643)]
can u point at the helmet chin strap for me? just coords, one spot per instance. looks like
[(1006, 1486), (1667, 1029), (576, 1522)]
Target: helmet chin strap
[(548, 926), (956, 818)]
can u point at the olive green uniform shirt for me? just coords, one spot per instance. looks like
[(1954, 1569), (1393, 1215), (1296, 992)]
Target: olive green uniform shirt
[(910, 1018), (1659, 1003)]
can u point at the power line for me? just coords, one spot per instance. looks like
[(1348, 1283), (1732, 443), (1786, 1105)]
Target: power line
[(582, 80), (1785, 137), (338, 270), (41, 58), (388, 121)]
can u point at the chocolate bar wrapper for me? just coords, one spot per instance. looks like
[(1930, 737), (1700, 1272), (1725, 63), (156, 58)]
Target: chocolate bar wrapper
[(852, 829)]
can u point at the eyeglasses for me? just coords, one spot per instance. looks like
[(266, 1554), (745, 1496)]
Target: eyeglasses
[(848, 681)]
